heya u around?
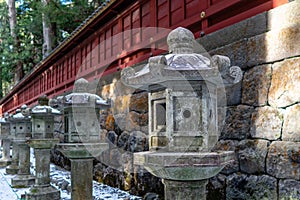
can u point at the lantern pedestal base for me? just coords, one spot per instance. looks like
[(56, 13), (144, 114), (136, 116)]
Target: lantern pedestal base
[(178, 190), (82, 179), (43, 193), (12, 169), (4, 163), (184, 174), (81, 156), (5, 153), (22, 181)]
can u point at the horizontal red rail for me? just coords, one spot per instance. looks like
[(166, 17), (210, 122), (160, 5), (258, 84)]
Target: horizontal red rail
[(56, 75)]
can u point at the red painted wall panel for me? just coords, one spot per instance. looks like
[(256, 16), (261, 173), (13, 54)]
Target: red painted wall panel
[(103, 47)]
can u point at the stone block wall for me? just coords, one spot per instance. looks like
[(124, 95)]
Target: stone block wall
[(262, 117), (263, 126)]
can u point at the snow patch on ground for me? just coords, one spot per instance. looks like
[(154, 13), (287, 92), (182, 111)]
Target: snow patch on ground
[(60, 179)]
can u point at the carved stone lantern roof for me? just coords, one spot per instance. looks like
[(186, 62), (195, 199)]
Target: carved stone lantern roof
[(21, 114), (182, 64), (43, 108), (81, 97), (3, 120)]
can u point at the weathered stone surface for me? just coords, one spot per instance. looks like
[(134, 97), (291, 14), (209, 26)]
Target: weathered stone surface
[(139, 102), (102, 118), (112, 138), (283, 160), (132, 121), (237, 122), (229, 145), (235, 51), (103, 134), (273, 46), (109, 176), (287, 14), (266, 123), (82, 179), (145, 182), (122, 140), (291, 125), (178, 190), (145, 129), (244, 29), (121, 104), (289, 189), (137, 142), (120, 121), (233, 94), (115, 158), (251, 187), (256, 85), (110, 123), (284, 89), (59, 159), (216, 187), (127, 160), (252, 156)]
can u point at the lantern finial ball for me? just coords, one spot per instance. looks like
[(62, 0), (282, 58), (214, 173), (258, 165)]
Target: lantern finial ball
[(43, 100), (81, 85)]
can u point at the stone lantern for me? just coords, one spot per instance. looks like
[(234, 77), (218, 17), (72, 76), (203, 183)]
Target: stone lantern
[(21, 122), (14, 166), (42, 118), (5, 137), (82, 137), (183, 117)]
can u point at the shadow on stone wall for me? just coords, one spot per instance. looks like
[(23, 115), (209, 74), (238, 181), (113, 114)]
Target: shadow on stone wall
[(262, 128)]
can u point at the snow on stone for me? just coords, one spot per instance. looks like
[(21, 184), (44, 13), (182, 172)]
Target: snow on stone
[(18, 116), (44, 109), (84, 98)]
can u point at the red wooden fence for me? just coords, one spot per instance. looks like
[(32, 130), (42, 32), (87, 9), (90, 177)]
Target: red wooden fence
[(119, 35)]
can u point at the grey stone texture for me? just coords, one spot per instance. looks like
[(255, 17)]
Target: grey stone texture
[(244, 29), (245, 187), (229, 145), (233, 95), (216, 187), (252, 156), (236, 51), (139, 102), (23, 178), (237, 122), (284, 89), (283, 160), (291, 125), (14, 166), (266, 123), (5, 160), (82, 179), (43, 193), (256, 84), (289, 189), (178, 190), (259, 39)]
